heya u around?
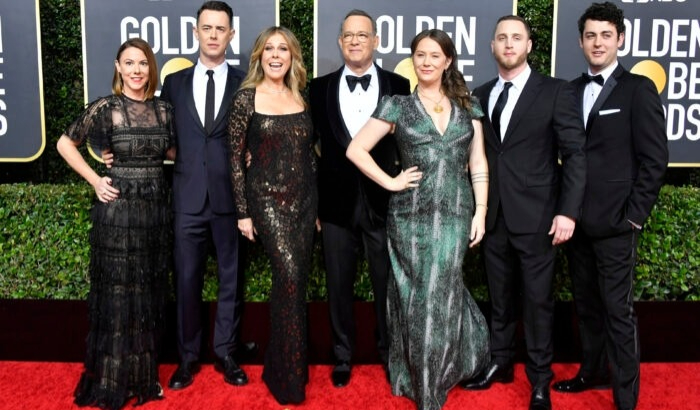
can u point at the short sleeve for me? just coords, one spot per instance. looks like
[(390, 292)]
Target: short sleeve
[(168, 118), (93, 125), (388, 109), (476, 111)]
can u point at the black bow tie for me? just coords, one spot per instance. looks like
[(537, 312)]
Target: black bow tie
[(353, 80), (597, 78)]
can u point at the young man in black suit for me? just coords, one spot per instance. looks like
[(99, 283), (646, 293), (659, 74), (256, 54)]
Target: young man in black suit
[(627, 157), (352, 208), (203, 195), (531, 122)]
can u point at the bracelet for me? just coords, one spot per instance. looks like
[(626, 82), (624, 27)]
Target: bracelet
[(484, 205)]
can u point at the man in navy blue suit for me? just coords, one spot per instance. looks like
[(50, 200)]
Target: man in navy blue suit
[(203, 196)]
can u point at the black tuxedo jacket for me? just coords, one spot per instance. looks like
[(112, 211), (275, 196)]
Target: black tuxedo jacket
[(203, 163), (340, 183), (626, 151), (525, 177)]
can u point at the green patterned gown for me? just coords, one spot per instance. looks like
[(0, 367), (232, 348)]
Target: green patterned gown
[(438, 336)]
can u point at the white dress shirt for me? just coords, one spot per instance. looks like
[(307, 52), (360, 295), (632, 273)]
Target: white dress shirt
[(199, 87), (356, 107), (593, 89), (513, 95)]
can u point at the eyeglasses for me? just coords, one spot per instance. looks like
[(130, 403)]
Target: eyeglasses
[(362, 36)]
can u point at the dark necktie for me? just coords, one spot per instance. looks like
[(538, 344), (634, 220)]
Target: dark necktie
[(209, 103), (597, 78), (498, 108), (353, 80)]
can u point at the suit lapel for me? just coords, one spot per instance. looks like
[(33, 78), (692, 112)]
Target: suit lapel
[(191, 106), (608, 87), (525, 101), (340, 131), (232, 84)]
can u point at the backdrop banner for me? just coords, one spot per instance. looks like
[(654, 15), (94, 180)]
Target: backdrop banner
[(168, 26), (662, 41), (469, 24), (22, 133)]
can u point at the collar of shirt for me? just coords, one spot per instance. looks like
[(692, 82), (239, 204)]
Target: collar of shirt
[(199, 86), (373, 82), (513, 94), (606, 73), (593, 89), (356, 107)]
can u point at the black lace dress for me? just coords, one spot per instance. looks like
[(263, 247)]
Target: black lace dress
[(130, 254), (278, 192)]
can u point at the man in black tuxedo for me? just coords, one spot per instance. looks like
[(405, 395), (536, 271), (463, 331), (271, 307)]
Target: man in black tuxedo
[(203, 195), (531, 122), (352, 208), (627, 156)]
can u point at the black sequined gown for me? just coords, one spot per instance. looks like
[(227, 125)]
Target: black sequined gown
[(130, 252), (278, 192)]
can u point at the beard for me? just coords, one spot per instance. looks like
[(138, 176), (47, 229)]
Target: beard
[(510, 63)]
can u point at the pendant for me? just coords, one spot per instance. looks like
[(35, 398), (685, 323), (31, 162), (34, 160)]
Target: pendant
[(437, 108)]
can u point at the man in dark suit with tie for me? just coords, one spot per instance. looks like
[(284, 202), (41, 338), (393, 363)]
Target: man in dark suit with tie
[(531, 122), (352, 208), (203, 196), (627, 156)]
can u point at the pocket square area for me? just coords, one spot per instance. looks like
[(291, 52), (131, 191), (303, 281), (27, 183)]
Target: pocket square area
[(608, 112)]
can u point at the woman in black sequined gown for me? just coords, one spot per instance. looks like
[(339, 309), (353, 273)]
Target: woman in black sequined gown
[(276, 196), (130, 238)]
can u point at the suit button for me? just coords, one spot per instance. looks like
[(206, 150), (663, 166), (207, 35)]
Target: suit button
[(204, 163)]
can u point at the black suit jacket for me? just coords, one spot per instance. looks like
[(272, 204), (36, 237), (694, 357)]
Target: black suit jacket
[(525, 177), (626, 150), (203, 163), (340, 183)]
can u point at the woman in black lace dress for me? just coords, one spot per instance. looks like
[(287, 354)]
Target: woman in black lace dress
[(130, 236), (276, 196)]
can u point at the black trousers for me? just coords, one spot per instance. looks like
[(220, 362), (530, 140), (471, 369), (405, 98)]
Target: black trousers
[(341, 248), (521, 266), (602, 273)]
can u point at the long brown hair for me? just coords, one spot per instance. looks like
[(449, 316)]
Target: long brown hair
[(118, 83), (295, 79), (452, 83)]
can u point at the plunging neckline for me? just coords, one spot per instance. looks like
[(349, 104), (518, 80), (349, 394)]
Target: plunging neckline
[(425, 111)]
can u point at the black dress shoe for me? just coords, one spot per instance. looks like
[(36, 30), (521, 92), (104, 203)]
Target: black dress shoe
[(233, 374), (494, 373), (341, 373), (539, 400), (184, 375), (246, 351), (579, 384)]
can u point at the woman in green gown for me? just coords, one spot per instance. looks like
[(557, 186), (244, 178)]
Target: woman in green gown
[(438, 336)]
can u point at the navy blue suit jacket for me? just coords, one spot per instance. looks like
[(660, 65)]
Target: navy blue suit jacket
[(203, 162)]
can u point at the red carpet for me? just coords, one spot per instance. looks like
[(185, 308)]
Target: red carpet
[(49, 386)]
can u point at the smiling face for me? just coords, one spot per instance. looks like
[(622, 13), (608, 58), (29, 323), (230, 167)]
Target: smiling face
[(429, 61), (133, 69), (600, 41), (276, 58), (357, 42), (214, 33), (510, 46)]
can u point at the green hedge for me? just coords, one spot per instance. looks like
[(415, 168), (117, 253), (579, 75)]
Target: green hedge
[(44, 250)]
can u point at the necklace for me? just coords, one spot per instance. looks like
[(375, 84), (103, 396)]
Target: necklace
[(273, 91), (438, 108)]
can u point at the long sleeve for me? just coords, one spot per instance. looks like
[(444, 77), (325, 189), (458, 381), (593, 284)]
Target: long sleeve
[(242, 109)]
